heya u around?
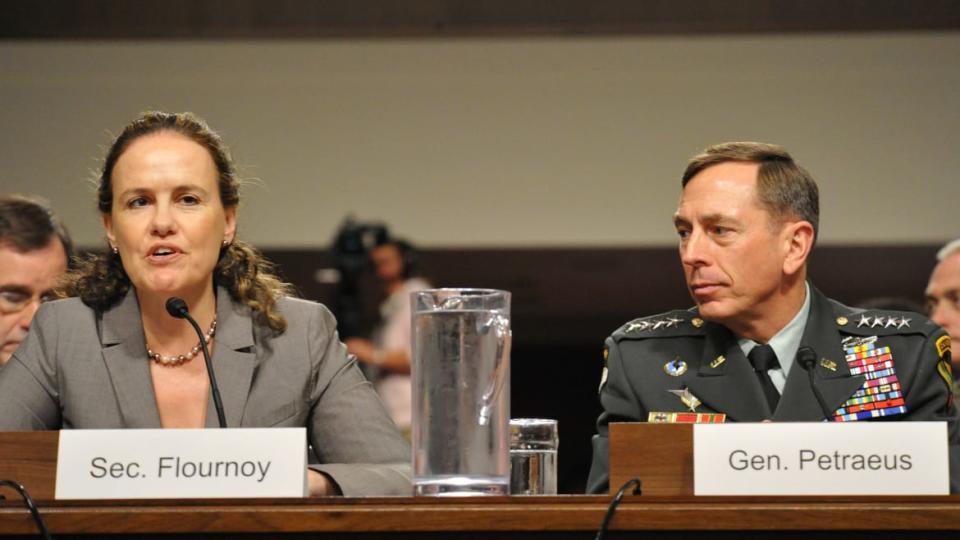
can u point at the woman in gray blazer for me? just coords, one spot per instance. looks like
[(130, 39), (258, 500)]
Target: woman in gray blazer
[(110, 356)]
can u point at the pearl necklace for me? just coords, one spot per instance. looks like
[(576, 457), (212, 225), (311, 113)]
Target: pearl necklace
[(176, 360)]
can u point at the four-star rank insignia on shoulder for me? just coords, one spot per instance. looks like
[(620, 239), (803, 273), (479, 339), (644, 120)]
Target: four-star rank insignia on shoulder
[(878, 322), (656, 324), (670, 324)]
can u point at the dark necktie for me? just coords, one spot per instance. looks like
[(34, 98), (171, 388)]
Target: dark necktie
[(763, 358)]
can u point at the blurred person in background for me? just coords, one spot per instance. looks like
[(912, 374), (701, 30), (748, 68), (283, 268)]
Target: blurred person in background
[(34, 252), (387, 355), (943, 297)]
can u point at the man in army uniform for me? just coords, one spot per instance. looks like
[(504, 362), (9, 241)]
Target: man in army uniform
[(747, 221)]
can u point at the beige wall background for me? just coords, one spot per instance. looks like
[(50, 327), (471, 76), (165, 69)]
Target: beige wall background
[(505, 142)]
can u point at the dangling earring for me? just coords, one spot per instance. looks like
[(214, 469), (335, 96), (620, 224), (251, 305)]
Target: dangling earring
[(116, 251)]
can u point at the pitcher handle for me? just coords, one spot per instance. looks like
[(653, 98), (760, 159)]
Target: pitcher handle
[(501, 326)]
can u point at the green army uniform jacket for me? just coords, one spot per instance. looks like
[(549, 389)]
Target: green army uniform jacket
[(649, 357)]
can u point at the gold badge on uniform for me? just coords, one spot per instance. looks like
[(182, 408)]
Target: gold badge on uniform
[(687, 397), (718, 361), (697, 322), (828, 364)]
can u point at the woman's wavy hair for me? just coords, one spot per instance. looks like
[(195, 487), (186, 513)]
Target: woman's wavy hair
[(101, 281)]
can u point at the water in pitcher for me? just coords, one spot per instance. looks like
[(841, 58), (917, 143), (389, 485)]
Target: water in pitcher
[(461, 402)]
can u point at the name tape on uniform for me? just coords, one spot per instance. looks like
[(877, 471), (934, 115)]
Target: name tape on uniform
[(862, 458), (181, 463)]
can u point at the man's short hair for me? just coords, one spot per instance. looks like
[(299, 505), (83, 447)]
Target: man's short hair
[(949, 249), (28, 224), (784, 188)]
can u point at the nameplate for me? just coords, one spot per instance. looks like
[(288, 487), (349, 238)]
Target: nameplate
[(181, 463), (857, 458)]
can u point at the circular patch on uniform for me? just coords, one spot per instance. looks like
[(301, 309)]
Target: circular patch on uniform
[(675, 367), (697, 322), (842, 321)]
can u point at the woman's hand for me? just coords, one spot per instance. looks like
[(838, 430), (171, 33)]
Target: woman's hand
[(321, 485)]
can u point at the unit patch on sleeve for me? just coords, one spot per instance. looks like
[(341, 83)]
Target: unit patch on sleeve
[(943, 346)]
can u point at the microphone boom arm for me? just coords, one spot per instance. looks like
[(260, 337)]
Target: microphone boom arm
[(807, 358), (177, 308)]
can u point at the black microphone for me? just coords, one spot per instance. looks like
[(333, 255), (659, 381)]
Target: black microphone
[(177, 308), (807, 358)]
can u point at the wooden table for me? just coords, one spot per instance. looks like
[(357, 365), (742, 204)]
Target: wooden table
[(496, 517), (666, 510)]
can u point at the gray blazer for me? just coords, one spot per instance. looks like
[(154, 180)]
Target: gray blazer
[(83, 370)]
